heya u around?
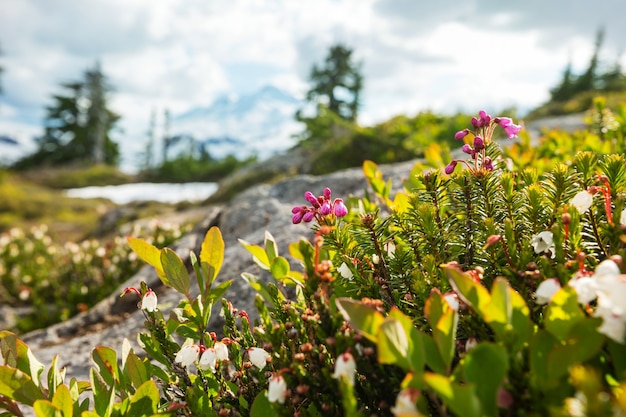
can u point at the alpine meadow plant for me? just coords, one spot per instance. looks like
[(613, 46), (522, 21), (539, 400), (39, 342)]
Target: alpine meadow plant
[(477, 292)]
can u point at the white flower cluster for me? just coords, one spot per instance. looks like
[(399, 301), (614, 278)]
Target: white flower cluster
[(607, 286)]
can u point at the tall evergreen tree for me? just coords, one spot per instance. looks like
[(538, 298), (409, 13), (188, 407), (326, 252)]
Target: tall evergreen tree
[(78, 126), (338, 83), (565, 90), (588, 80)]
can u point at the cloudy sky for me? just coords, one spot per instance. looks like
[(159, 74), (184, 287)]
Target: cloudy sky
[(444, 55)]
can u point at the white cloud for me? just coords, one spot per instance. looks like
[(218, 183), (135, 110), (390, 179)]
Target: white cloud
[(446, 55)]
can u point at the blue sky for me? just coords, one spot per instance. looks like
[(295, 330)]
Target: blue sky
[(445, 55)]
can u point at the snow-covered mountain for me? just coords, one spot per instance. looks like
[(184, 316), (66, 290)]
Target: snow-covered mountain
[(261, 123)]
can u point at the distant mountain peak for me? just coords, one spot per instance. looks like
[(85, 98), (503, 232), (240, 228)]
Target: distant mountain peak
[(261, 123)]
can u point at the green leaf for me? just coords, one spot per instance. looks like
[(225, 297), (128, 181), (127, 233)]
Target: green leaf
[(432, 356), (471, 292), (271, 249), (280, 267), (444, 335), (618, 354), (145, 401), (486, 366), (259, 287), (582, 344), (44, 408), (201, 274), (562, 312), (18, 355), (363, 318), (461, 399), (540, 347), (105, 359), (218, 292), (416, 355), (261, 406), (177, 275), (212, 252), (55, 376), (137, 370), (434, 307), (393, 344), (258, 254), (17, 385), (103, 395), (63, 400), (508, 315), (149, 253)]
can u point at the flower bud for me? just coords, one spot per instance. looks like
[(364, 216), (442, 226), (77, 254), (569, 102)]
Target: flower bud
[(467, 149), (450, 167), (187, 355), (479, 144), (461, 134), (339, 208)]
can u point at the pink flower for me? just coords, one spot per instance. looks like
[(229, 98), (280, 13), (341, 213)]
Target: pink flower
[(326, 209), (321, 206), (488, 164), (485, 119), (461, 134), (308, 196), (468, 150), (339, 208), (479, 144), (450, 167), (509, 127)]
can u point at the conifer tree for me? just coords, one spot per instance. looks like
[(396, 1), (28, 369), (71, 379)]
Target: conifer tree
[(338, 83), (588, 80), (77, 126)]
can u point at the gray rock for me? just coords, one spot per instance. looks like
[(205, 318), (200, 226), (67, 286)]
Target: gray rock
[(248, 216)]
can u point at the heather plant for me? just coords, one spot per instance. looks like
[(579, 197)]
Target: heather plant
[(480, 291), (46, 282)]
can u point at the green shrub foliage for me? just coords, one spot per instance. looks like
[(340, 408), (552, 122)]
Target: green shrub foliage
[(485, 291)]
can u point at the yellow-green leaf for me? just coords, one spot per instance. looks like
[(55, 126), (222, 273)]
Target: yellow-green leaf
[(280, 267), (212, 252), (362, 317), (258, 253), (393, 344), (44, 408), (63, 400), (175, 271), (563, 312), (147, 252), (471, 292)]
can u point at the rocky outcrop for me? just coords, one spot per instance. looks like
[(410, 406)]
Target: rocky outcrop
[(251, 213)]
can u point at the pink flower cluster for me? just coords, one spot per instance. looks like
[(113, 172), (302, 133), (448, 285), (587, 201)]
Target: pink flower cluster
[(484, 126), (322, 206)]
